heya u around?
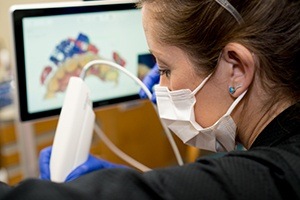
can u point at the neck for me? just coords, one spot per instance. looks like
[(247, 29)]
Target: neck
[(255, 119)]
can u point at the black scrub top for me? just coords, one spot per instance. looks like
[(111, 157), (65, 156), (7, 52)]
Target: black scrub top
[(270, 169)]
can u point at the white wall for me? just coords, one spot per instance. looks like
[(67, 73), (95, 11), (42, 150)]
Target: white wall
[(5, 19)]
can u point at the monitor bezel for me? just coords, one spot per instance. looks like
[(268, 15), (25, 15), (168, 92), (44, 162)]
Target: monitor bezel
[(18, 12)]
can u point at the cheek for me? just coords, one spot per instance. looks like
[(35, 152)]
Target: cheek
[(183, 80), (173, 82), (178, 83)]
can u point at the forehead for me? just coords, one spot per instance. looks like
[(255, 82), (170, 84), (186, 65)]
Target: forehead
[(152, 28), (168, 55), (148, 17), (160, 50)]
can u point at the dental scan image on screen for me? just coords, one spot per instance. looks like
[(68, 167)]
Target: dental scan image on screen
[(58, 47)]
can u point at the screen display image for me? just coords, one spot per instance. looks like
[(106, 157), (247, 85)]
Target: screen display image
[(54, 43)]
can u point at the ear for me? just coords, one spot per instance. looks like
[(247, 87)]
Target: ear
[(243, 67)]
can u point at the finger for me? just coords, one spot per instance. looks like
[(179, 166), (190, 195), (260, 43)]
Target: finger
[(90, 165)]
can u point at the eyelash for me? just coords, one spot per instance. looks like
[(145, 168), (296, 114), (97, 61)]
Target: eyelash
[(164, 72)]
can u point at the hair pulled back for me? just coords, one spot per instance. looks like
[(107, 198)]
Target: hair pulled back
[(271, 30)]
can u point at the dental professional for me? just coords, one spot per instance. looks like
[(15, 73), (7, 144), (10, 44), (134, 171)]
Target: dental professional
[(229, 73)]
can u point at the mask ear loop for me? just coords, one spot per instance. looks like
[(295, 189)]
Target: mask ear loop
[(207, 78), (201, 84), (225, 4)]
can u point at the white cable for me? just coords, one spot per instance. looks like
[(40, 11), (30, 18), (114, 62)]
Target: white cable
[(109, 144), (118, 152), (119, 67), (172, 141)]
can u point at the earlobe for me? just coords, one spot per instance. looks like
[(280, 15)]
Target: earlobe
[(243, 68)]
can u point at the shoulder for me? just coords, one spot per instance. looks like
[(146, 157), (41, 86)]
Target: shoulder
[(267, 171)]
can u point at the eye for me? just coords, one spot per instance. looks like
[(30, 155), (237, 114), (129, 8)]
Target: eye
[(166, 72)]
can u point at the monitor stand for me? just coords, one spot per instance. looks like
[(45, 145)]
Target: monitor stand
[(27, 148)]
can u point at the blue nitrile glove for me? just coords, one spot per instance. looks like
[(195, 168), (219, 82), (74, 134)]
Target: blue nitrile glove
[(44, 160), (150, 80), (92, 164)]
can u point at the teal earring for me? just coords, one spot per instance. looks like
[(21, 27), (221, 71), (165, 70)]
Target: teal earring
[(233, 89)]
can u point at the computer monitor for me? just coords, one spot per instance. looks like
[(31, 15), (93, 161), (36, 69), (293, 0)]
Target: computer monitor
[(53, 41)]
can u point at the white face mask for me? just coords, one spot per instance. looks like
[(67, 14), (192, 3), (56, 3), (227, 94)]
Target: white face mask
[(176, 109)]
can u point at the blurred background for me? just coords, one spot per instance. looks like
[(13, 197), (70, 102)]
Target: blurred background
[(134, 127)]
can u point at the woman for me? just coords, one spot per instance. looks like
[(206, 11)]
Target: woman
[(229, 72)]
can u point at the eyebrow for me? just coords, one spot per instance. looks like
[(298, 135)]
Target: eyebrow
[(157, 58)]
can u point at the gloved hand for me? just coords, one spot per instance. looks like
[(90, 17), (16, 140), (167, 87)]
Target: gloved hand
[(90, 165), (150, 80)]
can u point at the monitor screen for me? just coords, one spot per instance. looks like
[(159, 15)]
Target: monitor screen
[(53, 42)]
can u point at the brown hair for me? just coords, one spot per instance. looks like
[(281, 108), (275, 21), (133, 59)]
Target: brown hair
[(271, 30)]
